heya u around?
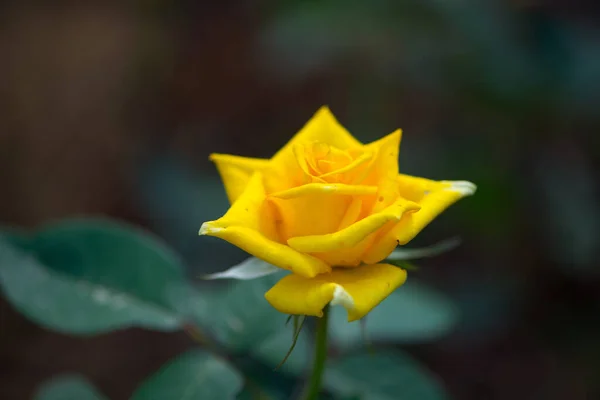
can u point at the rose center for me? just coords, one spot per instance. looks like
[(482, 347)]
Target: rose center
[(327, 163)]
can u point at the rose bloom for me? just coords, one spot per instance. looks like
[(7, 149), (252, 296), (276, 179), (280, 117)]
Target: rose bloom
[(328, 209)]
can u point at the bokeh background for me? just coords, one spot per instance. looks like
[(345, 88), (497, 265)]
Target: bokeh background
[(111, 108)]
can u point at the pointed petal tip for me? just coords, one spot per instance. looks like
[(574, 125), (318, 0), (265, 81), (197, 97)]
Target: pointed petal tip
[(208, 228), (325, 112), (214, 157), (465, 188)]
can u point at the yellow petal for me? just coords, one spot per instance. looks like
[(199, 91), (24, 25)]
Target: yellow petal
[(352, 235), (307, 175), (313, 209), (350, 257), (385, 243), (236, 172), (267, 250), (351, 214), (434, 202), (358, 290), (358, 161), (386, 149), (322, 127), (384, 169), (324, 188), (318, 213), (433, 197), (249, 225)]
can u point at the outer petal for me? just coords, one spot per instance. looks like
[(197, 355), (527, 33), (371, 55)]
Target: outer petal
[(385, 164), (236, 172), (384, 169), (355, 233), (433, 197), (434, 201), (249, 225), (322, 127), (358, 290)]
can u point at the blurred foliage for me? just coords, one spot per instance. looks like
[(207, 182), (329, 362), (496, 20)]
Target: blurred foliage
[(416, 313), (68, 387), (94, 276), (381, 376), (88, 277), (194, 375)]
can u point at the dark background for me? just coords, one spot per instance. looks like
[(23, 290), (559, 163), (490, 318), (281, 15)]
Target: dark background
[(112, 108)]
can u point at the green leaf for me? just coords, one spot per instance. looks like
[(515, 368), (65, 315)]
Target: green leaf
[(195, 375), (68, 387), (241, 317), (16, 237), (382, 376), (414, 313), (92, 276)]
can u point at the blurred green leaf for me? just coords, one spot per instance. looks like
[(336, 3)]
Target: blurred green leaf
[(16, 237), (414, 313), (240, 317), (92, 276), (195, 375), (68, 387), (382, 376), (263, 383)]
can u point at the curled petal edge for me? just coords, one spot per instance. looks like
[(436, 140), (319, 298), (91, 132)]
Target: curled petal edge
[(278, 254), (354, 233)]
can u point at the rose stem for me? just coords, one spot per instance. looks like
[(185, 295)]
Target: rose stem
[(314, 384)]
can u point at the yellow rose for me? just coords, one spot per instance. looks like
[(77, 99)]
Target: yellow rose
[(328, 208)]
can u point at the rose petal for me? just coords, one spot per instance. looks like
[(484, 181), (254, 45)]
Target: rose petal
[(358, 290), (350, 171), (433, 197), (322, 127), (352, 235), (348, 257), (248, 226), (236, 172), (384, 170), (318, 213), (324, 188), (315, 208), (352, 213)]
